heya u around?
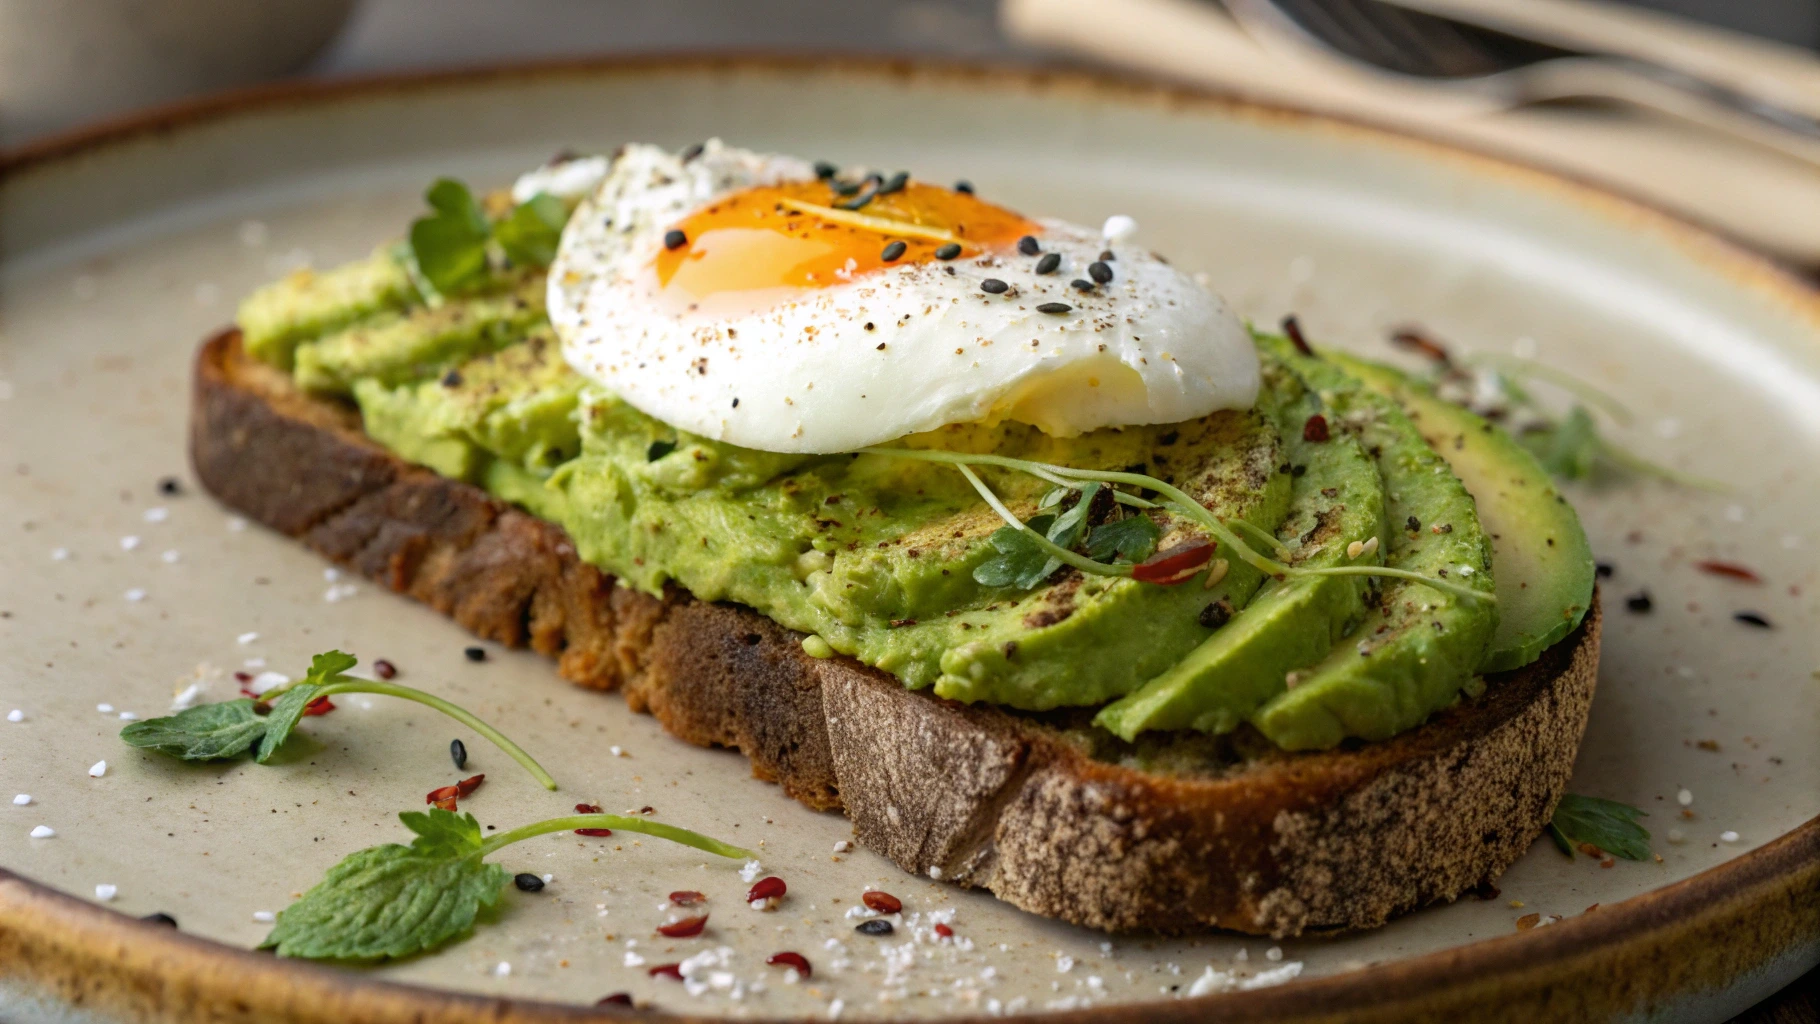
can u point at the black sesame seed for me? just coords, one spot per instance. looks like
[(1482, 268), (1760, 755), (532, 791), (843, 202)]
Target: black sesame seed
[(825, 170), (896, 183), (993, 286), (692, 152), (893, 251), (475, 653), (458, 753), (846, 188), (160, 918), (1081, 284), (1413, 524), (1297, 470), (949, 251), (527, 882), (1054, 307), (1752, 619), (1028, 246), (1605, 570), (1639, 602), (865, 196), (964, 186), (1106, 256), (1099, 271), (876, 926), (736, 403), (452, 379), (1049, 263), (1216, 615), (674, 239), (170, 487)]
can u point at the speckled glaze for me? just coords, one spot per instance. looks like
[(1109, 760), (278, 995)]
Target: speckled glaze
[(122, 248)]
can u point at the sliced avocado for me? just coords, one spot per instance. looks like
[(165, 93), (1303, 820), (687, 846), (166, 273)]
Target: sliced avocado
[(394, 348), (1337, 500), (308, 303), (394, 417), (1420, 646), (1541, 560)]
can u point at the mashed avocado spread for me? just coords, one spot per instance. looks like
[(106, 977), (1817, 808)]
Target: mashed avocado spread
[(886, 559)]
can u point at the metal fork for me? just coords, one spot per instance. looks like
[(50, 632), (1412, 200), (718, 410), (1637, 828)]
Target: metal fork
[(1509, 70)]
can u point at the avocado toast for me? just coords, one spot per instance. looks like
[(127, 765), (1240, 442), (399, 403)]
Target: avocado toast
[(1284, 729)]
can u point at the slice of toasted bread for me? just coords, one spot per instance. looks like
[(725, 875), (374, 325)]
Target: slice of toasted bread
[(1050, 816)]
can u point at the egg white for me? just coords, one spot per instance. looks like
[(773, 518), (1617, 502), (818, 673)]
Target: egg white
[(894, 352)]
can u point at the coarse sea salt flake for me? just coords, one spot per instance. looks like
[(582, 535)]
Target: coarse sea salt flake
[(1685, 798), (22, 799), (60, 554), (751, 871), (128, 716), (128, 543), (266, 680), (135, 594), (157, 515), (1728, 836), (106, 709), (246, 638), (15, 715), (104, 891), (43, 832), (97, 770), (264, 916), (171, 557)]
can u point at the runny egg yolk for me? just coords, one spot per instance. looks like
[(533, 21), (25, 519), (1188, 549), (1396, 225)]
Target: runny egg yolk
[(793, 236)]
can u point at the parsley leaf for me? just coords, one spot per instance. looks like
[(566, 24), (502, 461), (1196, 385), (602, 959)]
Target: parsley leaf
[(1606, 824), (392, 900), (207, 732), (530, 232), (1132, 539), (450, 245), (1020, 563)]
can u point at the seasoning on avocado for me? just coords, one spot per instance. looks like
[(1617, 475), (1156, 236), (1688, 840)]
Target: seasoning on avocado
[(1315, 428), (1292, 329)]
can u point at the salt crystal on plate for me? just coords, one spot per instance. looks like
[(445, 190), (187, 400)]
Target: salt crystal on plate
[(1685, 798), (43, 832), (104, 891), (128, 543), (97, 770), (265, 916), (157, 515), (170, 557), (106, 709), (15, 715), (246, 638), (22, 799), (135, 594), (1728, 836)]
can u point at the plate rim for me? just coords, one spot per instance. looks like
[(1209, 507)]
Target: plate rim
[(1693, 936)]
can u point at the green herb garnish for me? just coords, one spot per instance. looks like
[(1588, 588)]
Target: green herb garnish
[(214, 732), (1172, 499), (393, 901), (450, 250), (1605, 824)]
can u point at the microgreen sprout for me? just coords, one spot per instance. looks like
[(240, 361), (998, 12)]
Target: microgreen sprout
[(394, 901), (1174, 500), (212, 732)]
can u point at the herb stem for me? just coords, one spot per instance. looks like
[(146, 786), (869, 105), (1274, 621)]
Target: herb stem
[(1574, 386), (1054, 550), (615, 821), (349, 684), (1446, 586), (1627, 459)]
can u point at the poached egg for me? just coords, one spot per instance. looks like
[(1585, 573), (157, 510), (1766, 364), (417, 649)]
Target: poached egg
[(748, 299)]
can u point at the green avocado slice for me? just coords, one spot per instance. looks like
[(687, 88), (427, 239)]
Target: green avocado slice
[(1540, 557), (1337, 501), (1420, 646), (308, 304)]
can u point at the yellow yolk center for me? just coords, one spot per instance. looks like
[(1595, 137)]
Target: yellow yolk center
[(795, 236)]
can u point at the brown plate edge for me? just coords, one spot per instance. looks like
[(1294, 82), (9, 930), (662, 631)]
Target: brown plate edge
[(1693, 937)]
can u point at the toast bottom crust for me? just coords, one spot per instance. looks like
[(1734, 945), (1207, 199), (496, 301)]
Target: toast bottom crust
[(1276, 843)]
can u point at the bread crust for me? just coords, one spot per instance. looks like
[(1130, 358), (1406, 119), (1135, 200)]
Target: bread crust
[(1276, 844)]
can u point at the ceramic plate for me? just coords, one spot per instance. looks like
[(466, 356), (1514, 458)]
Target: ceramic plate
[(124, 248)]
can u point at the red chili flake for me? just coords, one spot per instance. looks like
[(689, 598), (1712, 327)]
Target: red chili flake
[(770, 887), (687, 898), (1315, 428), (943, 930), (616, 999), (319, 706), (883, 902), (587, 808), (1293, 328), (386, 670), (1730, 570), (243, 677), (1414, 338), (1176, 564), (687, 928), (595, 832), (792, 960), (469, 785), (446, 794), (666, 971)]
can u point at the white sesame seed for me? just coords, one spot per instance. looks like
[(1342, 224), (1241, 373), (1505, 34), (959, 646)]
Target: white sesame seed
[(60, 554), (43, 832), (1274, 954), (835, 1008), (157, 515), (1728, 836), (22, 800), (1685, 798), (129, 542), (97, 770), (15, 715), (170, 557), (246, 638), (502, 969), (264, 916), (135, 594), (106, 891), (106, 709)]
